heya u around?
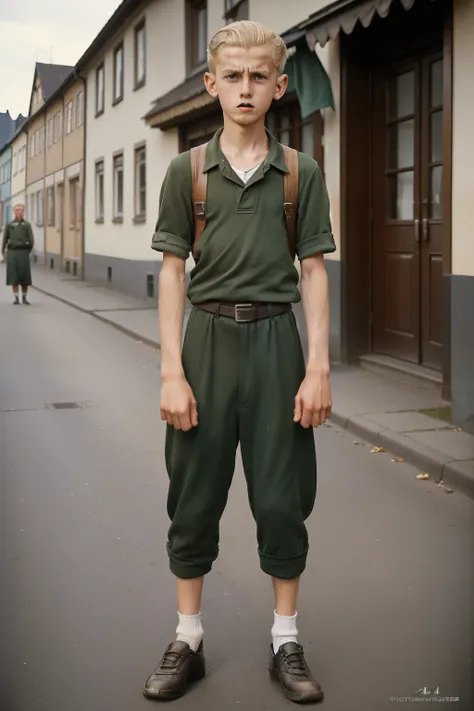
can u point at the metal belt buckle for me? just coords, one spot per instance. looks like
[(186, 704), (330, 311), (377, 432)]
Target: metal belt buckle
[(243, 307)]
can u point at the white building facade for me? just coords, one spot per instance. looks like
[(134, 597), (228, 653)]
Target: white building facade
[(18, 189)]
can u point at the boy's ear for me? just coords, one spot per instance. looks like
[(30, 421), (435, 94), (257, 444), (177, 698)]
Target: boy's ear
[(210, 83), (281, 87)]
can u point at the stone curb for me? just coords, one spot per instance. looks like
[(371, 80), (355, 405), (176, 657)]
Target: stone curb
[(458, 474)]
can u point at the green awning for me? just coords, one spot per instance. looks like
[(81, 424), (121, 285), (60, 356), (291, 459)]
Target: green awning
[(307, 76)]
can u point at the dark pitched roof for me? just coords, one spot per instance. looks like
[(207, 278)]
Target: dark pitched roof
[(51, 76), (8, 127)]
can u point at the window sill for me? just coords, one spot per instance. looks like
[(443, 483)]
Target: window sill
[(117, 220), (139, 85), (139, 219), (117, 100), (99, 113), (99, 221)]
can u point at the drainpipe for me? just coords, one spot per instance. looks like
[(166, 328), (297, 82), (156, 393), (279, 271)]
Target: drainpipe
[(83, 78)]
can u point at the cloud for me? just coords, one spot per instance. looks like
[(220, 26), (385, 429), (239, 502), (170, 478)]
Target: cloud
[(40, 32)]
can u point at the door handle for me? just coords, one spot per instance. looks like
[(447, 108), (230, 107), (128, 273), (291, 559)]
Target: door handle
[(417, 231), (425, 228)]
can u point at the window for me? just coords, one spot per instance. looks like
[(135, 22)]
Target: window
[(50, 206), (50, 132), (15, 163), (32, 207), (99, 90), (286, 124), (57, 127), (140, 182), (140, 55), (196, 30), (40, 145), (79, 109), (118, 187), (31, 145), (118, 74), (236, 10), (40, 208), (74, 202), (99, 191), (68, 117)]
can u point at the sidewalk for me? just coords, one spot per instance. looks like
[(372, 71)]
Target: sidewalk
[(387, 413)]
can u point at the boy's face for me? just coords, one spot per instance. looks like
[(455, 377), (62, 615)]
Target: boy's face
[(246, 81)]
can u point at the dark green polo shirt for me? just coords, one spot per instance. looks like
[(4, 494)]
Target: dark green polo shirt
[(243, 253)]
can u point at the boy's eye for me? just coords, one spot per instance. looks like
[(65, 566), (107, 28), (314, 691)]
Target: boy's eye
[(231, 76), (260, 76)]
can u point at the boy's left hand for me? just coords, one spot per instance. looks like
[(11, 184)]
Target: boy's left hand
[(313, 401)]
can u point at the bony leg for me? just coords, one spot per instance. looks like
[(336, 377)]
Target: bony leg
[(25, 295), (284, 625), (15, 289), (189, 628)]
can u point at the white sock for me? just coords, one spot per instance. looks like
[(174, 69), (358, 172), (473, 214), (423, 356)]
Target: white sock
[(284, 630), (190, 630)]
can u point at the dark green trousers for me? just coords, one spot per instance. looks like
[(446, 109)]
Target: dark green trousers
[(245, 378)]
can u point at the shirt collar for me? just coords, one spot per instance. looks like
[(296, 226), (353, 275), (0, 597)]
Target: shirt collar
[(215, 156)]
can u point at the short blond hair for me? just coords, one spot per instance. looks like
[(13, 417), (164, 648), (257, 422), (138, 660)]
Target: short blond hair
[(247, 34)]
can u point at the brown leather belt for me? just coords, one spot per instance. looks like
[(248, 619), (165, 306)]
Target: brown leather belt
[(245, 313)]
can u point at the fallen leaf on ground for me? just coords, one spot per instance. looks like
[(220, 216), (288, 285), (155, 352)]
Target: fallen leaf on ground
[(376, 450), (422, 476), (449, 491), (398, 459), (356, 442)]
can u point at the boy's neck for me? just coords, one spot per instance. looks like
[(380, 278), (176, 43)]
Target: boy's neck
[(243, 141)]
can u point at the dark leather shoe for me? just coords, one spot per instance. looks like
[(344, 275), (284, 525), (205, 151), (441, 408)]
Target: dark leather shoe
[(289, 667), (178, 667)]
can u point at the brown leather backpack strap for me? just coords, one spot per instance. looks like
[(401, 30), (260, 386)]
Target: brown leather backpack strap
[(199, 191), (291, 196)]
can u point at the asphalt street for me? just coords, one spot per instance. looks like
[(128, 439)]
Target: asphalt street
[(386, 606)]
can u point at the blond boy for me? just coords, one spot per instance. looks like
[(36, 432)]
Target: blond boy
[(240, 377)]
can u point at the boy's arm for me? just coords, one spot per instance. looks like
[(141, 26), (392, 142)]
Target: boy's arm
[(31, 237), (314, 239), (172, 287), (313, 401), (173, 236)]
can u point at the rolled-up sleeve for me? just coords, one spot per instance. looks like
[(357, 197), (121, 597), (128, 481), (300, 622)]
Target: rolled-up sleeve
[(314, 231), (174, 230)]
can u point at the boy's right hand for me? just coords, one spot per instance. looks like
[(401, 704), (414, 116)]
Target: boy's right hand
[(178, 405)]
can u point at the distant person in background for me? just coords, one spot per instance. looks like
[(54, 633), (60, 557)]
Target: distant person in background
[(18, 241)]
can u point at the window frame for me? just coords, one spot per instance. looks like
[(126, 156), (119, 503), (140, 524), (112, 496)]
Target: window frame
[(193, 61), (289, 107), (74, 184), (118, 167), (99, 173), (139, 190), (99, 100), (68, 113), (236, 10), (139, 82), (40, 208), (117, 98), (50, 206), (79, 113)]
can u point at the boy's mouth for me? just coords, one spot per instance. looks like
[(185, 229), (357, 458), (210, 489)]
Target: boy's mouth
[(245, 106)]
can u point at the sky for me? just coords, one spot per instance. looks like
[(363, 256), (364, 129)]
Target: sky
[(51, 30)]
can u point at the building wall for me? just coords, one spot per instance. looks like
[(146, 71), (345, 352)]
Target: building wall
[(462, 279), (54, 152), (121, 128), (31, 214), (35, 165), (5, 185), (19, 158), (280, 16), (73, 228)]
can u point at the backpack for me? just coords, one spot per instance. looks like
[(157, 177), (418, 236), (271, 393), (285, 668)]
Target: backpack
[(199, 193)]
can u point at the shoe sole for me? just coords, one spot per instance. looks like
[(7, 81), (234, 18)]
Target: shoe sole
[(308, 697)]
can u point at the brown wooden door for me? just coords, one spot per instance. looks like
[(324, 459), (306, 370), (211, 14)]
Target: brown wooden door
[(406, 210)]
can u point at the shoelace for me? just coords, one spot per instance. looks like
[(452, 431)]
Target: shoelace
[(296, 661), (170, 660)]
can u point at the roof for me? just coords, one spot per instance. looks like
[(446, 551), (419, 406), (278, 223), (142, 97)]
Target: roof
[(9, 127), (51, 77), (193, 87), (115, 23)]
